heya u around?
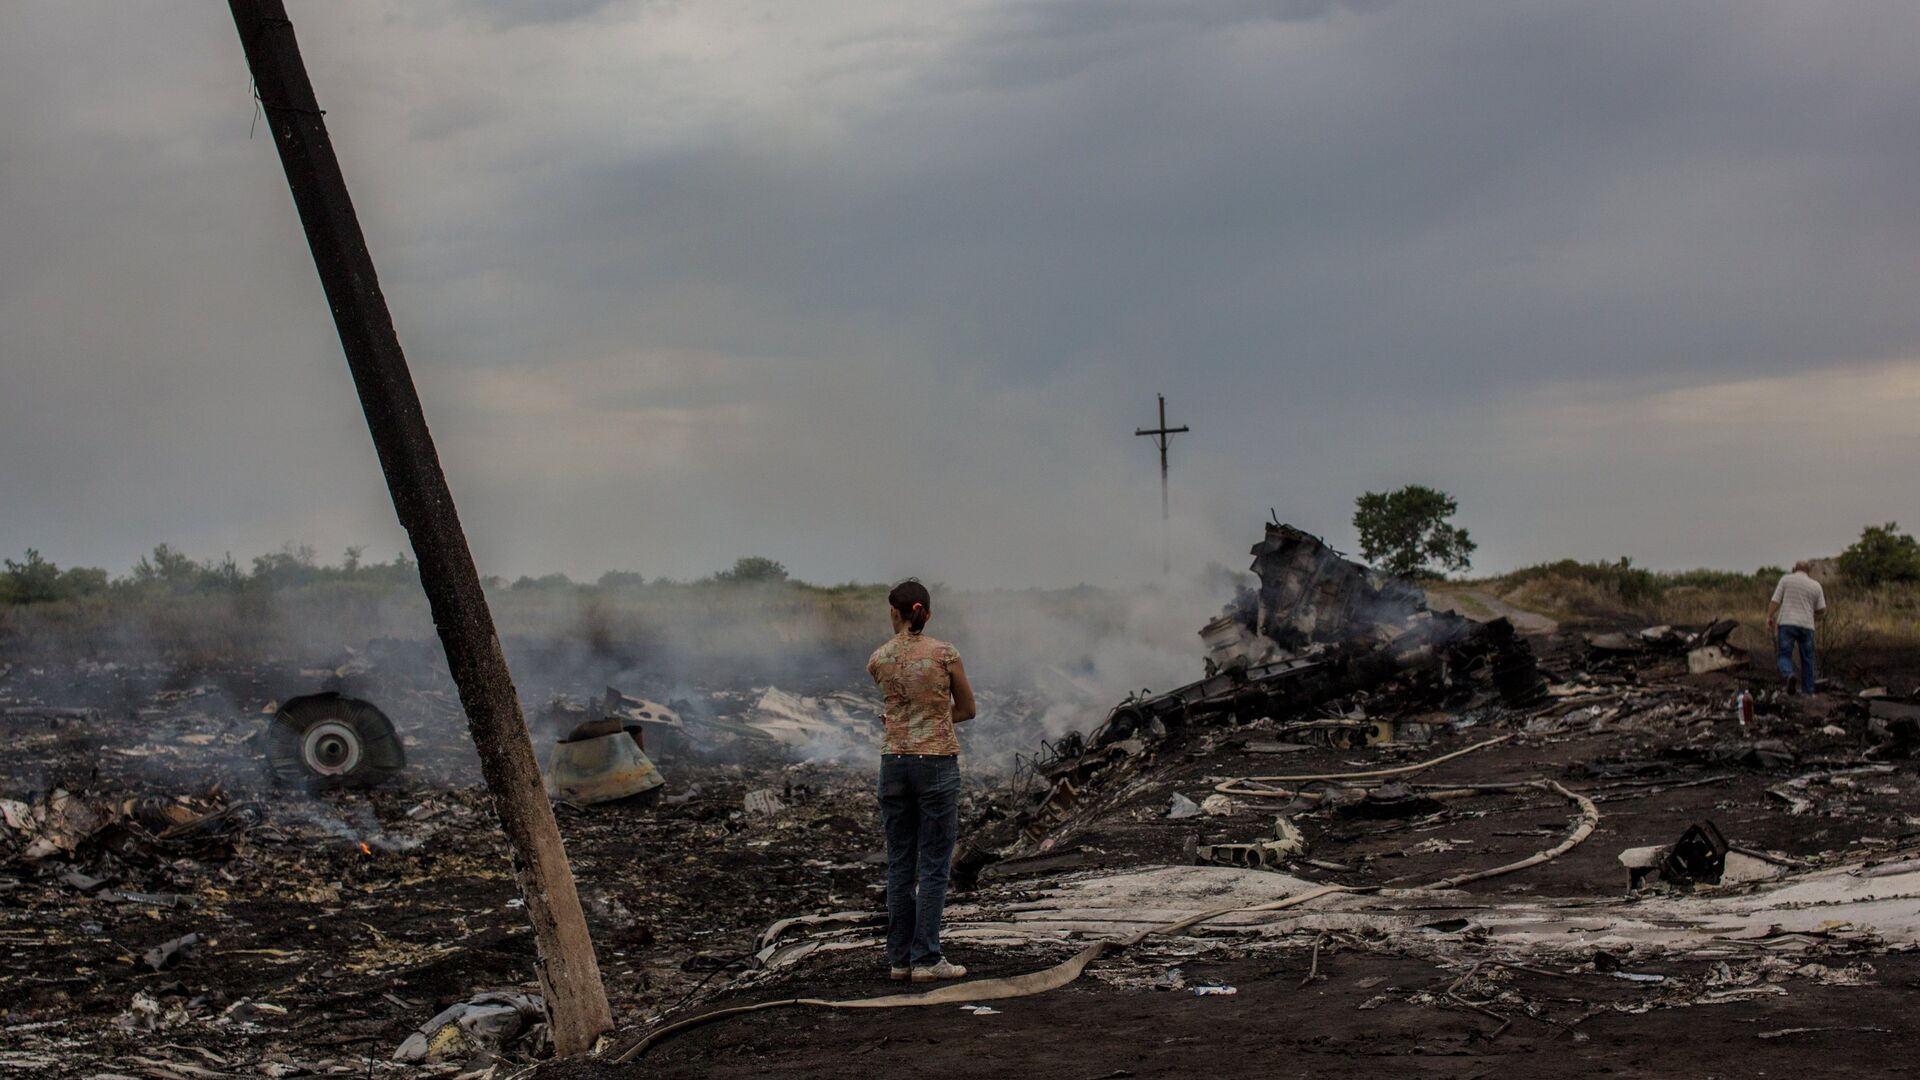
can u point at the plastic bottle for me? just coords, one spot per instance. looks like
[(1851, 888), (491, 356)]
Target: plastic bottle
[(1746, 709)]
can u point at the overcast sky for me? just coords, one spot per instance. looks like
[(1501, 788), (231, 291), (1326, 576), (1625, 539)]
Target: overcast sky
[(879, 288)]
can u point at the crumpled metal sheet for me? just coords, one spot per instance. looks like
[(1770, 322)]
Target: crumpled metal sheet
[(485, 1023), (600, 770)]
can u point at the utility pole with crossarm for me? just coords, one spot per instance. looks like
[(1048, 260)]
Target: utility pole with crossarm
[(1161, 435), (569, 973)]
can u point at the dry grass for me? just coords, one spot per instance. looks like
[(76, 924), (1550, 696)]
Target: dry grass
[(1860, 622), (1440, 597)]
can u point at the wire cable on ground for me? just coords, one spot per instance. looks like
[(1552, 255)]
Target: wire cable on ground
[(1232, 787), (1583, 828)]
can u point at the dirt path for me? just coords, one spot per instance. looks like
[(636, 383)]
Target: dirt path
[(1485, 607)]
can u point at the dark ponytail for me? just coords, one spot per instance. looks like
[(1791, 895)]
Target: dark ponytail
[(912, 601)]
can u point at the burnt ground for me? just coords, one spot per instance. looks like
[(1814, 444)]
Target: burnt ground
[(1273, 1027), (333, 926)]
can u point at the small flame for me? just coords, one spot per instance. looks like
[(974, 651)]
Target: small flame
[(364, 849)]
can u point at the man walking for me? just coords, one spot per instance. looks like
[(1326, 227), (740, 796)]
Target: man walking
[(1795, 610)]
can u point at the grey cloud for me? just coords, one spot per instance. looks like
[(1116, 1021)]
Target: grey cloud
[(507, 14), (1535, 170), (944, 258)]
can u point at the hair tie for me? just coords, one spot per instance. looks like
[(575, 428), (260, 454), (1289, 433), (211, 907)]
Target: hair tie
[(917, 607)]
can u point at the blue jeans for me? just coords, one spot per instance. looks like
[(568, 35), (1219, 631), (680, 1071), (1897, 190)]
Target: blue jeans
[(1803, 636), (920, 807)]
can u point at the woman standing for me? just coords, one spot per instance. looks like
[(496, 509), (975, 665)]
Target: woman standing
[(926, 692)]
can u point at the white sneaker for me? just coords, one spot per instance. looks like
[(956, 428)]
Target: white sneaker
[(899, 974), (939, 972)]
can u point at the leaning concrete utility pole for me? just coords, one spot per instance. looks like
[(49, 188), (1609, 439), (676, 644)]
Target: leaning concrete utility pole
[(569, 974), (1161, 435)]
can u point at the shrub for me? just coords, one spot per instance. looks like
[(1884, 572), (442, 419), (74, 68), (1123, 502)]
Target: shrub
[(34, 580), (1721, 579), (291, 566), (753, 569), (1622, 581), (1883, 555)]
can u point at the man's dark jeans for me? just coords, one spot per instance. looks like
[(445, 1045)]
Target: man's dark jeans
[(920, 805), (1789, 636)]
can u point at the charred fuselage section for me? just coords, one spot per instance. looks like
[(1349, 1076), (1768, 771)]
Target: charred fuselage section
[(1313, 602), (1319, 628)]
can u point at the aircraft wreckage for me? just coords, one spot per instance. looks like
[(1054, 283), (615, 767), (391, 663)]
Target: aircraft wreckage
[(1318, 628)]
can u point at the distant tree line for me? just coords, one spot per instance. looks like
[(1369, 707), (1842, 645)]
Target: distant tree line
[(1406, 531), (33, 579), (1410, 532), (1635, 585), (750, 570)]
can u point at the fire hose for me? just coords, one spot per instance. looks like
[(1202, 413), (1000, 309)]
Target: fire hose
[(1233, 786), (1011, 986)]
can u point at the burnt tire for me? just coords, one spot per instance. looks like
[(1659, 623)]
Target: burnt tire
[(322, 741)]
